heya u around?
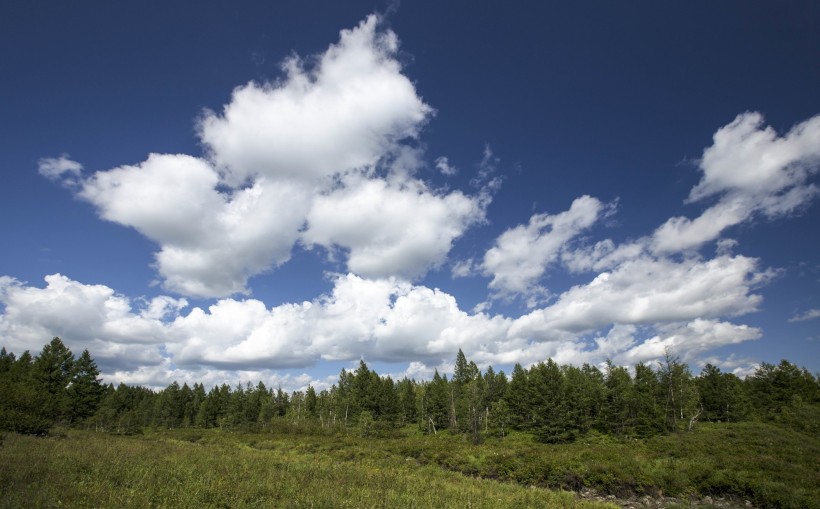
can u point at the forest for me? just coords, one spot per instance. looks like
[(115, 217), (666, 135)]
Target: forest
[(604, 436), (555, 403)]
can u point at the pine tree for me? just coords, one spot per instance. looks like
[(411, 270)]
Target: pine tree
[(551, 422), (436, 402), (407, 400), (86, 389), (615, 415), (311, 402), (6, 360), (518, 399), (646, 412), (52, 371)]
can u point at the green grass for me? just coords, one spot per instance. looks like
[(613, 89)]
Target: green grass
[(213, 469), (768, 465), (765, 464)]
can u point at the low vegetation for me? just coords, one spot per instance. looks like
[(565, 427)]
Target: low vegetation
[(539, 439), (215, 469), (310, 467)]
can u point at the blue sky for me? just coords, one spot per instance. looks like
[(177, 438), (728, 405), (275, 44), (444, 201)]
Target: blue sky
[(274, 190)]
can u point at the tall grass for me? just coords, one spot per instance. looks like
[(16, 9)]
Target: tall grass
[(764, 464), (213, 469)]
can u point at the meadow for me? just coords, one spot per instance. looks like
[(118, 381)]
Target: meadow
[(308, 466), (182, 469)]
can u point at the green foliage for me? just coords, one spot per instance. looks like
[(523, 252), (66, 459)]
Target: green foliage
[(37, 393), (211, 469), (773, 388)]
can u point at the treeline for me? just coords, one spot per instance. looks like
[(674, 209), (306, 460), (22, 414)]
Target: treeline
[(555, 403)]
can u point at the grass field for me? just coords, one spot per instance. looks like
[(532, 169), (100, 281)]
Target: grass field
[(229, 470), (769, 466)]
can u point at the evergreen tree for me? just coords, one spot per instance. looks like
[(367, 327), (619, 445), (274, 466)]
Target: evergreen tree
[(647, 414), (773, 387), (519, 399), (615, 415), (583, 393), (722, 395), (436, 402), (311, 402), (86, 389), (407, 400), (389, 405), (6, 360), (551, 422), (168, 408), (52, 371), (23, 402)]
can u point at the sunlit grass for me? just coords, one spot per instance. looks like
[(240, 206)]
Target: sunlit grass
[(213, 469), (765, 464)]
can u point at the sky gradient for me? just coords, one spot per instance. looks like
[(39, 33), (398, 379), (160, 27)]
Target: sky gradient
[(215, 193)]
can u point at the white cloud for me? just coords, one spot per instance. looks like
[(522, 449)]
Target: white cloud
[(603, 255), (645, 291), (324, 146), (211, 242), (521, 255), (397, 227), (689, 340), (644, 308), (811, 314), (752, 170), (89, 317), (486, 168), (443, 165), (62, 169), (463, 268), (346, 113)]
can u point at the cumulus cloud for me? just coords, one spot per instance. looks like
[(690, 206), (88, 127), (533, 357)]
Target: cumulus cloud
[(327, 156), (211, 242), (89, 317), (647, 290), (751, 170), (318, 156), (632, 313), (397, 227), (521, 255), (688, 340), (348, 111)]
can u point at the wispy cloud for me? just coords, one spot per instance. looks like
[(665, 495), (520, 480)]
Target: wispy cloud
[(811, 314)]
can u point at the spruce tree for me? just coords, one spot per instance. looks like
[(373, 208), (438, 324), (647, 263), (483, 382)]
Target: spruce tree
[(86, 389), (52, 371)]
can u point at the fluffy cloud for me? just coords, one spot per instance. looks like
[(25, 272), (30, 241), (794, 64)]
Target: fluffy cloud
[(521, 255), (647, 290), (326, 156), (89, 317), (752, 170), (324, 147), (396, 227), (645, 308), (211, 242), (688, 340), (346, 113)]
